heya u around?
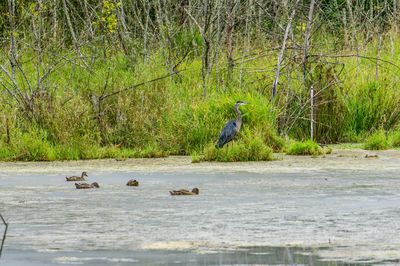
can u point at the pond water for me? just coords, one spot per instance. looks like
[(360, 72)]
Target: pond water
[(314, 217)]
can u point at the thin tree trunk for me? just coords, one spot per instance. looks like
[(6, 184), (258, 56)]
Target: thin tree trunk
[(146, 32), (312, 113), (71, 29), (216, 58), (355, 39), (306, 40), (229, 32), (345, 37), (206, 48), (275, 7), (39, 48), (191, 26), (168, 30), (305, 61), (162, 30), (395, 15), (55, 22), (392, 44), (8, 130), (278, 66), (378, 52), (13, 57), (370, 25), (246, 41), (121, 14), (89, 21)]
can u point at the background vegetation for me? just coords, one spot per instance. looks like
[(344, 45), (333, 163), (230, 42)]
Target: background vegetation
[(116, 78)]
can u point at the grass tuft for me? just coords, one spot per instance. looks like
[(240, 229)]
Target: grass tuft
[(250, 148), (377, 141), (195, 157), (395, 138), (307, 148)]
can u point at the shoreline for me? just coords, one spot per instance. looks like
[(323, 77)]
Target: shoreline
[(340, 159)]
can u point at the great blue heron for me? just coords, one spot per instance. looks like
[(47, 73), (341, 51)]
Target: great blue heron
[(231, 128)]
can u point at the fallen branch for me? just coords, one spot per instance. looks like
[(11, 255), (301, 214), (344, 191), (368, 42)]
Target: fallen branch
[(4, 235)]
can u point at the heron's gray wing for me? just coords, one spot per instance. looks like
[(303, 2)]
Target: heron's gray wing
[(227, 133)]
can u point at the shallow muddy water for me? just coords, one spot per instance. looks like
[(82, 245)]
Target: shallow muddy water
[(276, 216)]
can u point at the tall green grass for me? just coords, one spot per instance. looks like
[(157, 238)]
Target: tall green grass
[(395, 138), (171, 117), (249, 147)]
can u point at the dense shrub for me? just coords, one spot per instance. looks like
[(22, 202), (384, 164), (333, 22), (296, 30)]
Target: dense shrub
[(377, 141), (306, 148)]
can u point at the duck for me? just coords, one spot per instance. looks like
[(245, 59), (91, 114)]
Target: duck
[(86, 185), (195, 191), (77, 178), (133, 183)]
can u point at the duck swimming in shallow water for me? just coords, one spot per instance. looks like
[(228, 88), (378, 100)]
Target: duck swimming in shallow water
[(195, 191), (133, 183), (77, 178), (86, 185)]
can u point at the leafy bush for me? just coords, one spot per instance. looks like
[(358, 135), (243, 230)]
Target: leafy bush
[(395, 139), (377, 141), (306, 148), (195, 157), (272, 139)]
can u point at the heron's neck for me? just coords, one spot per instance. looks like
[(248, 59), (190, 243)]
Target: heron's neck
[(239, 116)]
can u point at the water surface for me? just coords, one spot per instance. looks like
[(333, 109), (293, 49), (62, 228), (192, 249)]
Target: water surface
[(240, 217)]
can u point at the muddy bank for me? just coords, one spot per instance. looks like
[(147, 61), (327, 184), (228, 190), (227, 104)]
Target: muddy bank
[(356, 159)]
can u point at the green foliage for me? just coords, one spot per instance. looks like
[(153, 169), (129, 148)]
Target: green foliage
[(152, 151), (272, 139), (395, 138), (377, 141), (32, 145), (369, 105), (170, 116), (195, 157), (200, 123), (250, 147), (307, 148), (187, 41)]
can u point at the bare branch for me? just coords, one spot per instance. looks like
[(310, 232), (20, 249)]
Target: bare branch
[(140, 84), (355, 55)]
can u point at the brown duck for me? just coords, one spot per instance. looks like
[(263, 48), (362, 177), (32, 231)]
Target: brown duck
[(194, 191), (133, 183), (77, 178), (86, 185)]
